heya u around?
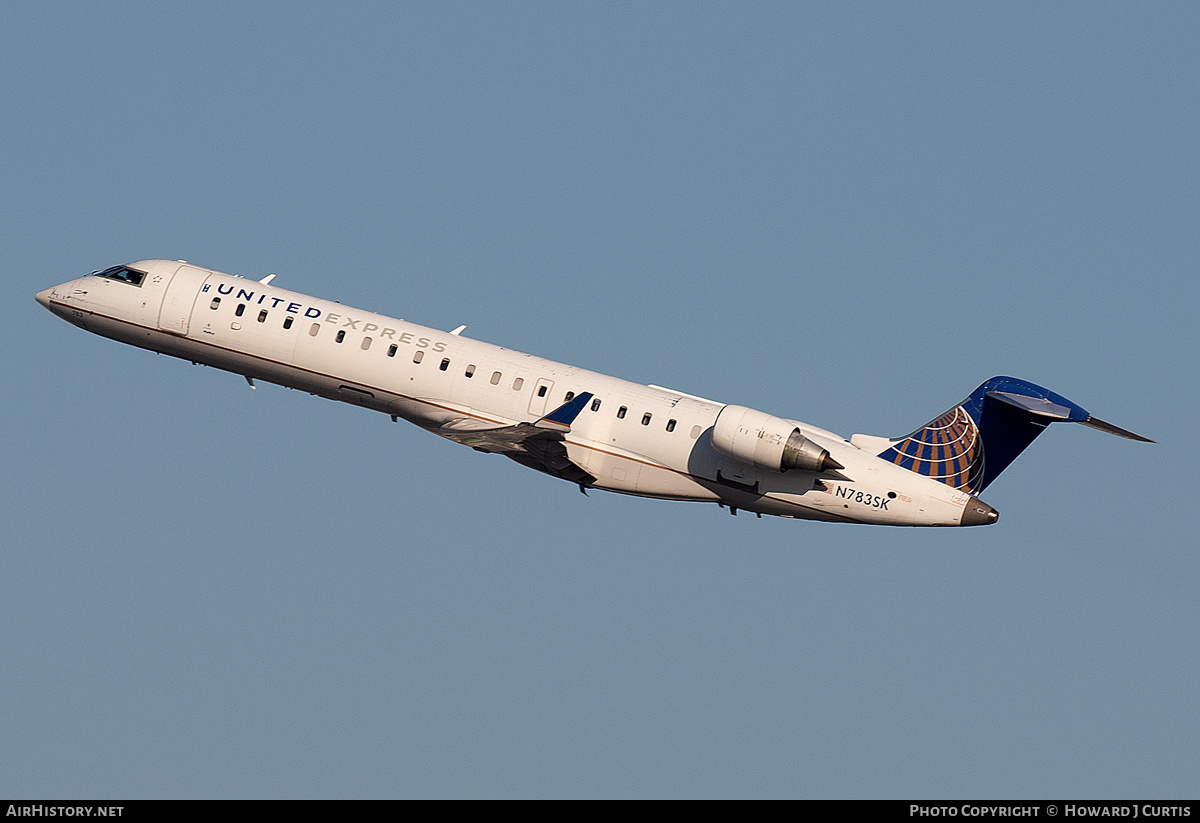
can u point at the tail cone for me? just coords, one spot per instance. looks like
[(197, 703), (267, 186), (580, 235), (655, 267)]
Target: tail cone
[(978, 513)]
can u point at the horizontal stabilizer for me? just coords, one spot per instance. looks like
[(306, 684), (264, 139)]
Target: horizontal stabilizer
[(1094, 423), (1042, 407), (1034, 405)]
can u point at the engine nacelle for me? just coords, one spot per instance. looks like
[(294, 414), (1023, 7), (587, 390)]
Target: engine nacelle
[(767, 442)]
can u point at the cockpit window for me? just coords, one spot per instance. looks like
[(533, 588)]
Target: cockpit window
[(124, 274)]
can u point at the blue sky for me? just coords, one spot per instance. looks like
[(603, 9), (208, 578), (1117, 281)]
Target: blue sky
[(850, 214)]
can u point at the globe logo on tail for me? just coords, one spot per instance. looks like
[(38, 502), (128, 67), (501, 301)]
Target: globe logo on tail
[(948, 449)]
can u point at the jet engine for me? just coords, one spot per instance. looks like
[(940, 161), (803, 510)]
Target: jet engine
[(767, 442)]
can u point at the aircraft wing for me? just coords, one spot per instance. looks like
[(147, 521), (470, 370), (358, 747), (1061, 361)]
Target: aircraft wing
[(538, 445)]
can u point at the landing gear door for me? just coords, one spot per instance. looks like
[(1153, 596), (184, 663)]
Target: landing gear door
[(179, 298)]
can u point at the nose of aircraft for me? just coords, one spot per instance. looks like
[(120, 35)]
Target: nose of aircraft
[(43, 297)]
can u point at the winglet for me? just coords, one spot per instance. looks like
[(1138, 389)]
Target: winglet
[(561, 418)]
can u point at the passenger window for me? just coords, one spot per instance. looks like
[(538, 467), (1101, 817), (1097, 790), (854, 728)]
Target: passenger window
[(262, 316), (392, 350), (646, 419), (570, 396), (621, 413), (670, 425), (240, 309), (419, 356), (216, 302), (695, 432), (287, 322), (470, 372), (366, 344), (340, 336), (541, 391), (495, 378), (518, 383), (316, 327), (596, 404), (445, 363)]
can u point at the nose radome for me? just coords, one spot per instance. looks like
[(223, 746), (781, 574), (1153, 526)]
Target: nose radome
[(43, 297)]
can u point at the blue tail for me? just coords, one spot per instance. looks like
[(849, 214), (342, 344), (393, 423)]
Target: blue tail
[(969, 445)]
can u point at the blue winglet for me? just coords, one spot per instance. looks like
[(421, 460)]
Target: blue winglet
[(561, 418)]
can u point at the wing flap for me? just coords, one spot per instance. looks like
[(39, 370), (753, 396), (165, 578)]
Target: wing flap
[(539, 445), (470, 424)]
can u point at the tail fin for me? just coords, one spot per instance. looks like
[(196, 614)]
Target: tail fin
[(969, 445)]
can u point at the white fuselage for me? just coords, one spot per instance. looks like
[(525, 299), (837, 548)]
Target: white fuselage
[(632, 438)]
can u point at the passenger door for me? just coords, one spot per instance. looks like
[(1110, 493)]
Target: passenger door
[(179, 298)]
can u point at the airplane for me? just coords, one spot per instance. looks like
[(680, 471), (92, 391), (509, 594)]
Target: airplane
[(596, 431)]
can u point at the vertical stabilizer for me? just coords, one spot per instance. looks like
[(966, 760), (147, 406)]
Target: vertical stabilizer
[(969, 445)]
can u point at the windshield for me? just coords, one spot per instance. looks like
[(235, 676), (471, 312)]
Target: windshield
[(122, 273)]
